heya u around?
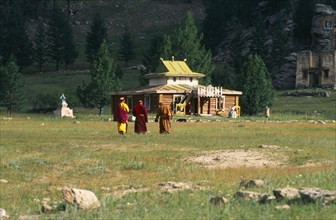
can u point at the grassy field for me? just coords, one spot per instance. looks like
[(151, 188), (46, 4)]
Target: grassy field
[(41, 154), (306, 106)]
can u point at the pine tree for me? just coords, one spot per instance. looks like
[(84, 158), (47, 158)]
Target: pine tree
[(218, 14), (256, 85), (95, 37), (126, 50), (24, 50), (225, 76), (186, 44), (281, 47), (40, 45), (61, 48), (70, 52), (14, 38), (237, 46), (103, 80), (160, 47), (259, 38), (11, 87), (55, 38)]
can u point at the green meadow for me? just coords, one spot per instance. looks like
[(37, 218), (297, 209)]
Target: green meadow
[(41, 154)]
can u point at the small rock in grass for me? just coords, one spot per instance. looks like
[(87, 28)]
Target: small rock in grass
[(3, 214), (3, 181), (280, 207), (219, 200)]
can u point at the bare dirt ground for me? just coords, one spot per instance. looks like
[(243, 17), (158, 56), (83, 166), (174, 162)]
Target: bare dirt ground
[(239, 158)]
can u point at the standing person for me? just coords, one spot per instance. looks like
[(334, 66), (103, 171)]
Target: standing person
[(188, 108), (267, 113), (230, 112), (121, 115), (165, 115), (141, 118), (234, 112)]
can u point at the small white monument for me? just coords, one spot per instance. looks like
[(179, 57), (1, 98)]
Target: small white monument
[(64, 110)]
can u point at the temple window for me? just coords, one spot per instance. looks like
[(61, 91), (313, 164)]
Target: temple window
[(147, 102), (326, 74), (327, 25), (130, 102)]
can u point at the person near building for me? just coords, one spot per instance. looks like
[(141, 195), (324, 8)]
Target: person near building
[(164, 115), (141, 118), (267, 112), (120, 115), (188, 108), (232, 112)]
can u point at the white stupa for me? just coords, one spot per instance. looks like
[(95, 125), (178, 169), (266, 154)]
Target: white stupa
[(64, 110)]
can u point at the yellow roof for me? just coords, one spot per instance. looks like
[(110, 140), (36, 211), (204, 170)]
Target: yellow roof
[(175, 68)]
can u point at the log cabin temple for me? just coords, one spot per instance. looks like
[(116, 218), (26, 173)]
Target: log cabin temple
[(177, 86)]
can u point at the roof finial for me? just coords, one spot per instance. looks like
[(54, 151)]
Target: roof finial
[(173, 58)]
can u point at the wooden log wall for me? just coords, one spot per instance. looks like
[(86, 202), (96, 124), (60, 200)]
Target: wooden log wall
[(207, 105), (204, 105), (213, 106), (166, 99), (229, 101)]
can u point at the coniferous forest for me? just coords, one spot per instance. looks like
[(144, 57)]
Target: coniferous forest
[(217, 37)]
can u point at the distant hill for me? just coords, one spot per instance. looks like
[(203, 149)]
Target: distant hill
[(144, 19)]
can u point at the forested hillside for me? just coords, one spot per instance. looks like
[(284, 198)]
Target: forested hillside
[(43, 35), (273, 28), (20, 23)]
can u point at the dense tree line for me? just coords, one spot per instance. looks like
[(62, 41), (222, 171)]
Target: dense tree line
[(53, 39), (184, 44), (21, 45), (11, 86), (103, 80), (95, 37), (105, 74)]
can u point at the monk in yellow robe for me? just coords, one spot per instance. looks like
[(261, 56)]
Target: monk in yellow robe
[(165, 114), (120, 115)]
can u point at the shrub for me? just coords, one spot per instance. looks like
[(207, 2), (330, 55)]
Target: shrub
[(44, 102)]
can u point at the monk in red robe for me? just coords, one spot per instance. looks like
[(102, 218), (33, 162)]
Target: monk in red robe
[(165, 114), (141, 118)]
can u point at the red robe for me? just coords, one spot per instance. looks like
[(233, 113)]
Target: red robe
[(140, 112), (119, 114)]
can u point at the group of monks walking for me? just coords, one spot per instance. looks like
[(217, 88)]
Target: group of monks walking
[(120, 114)]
